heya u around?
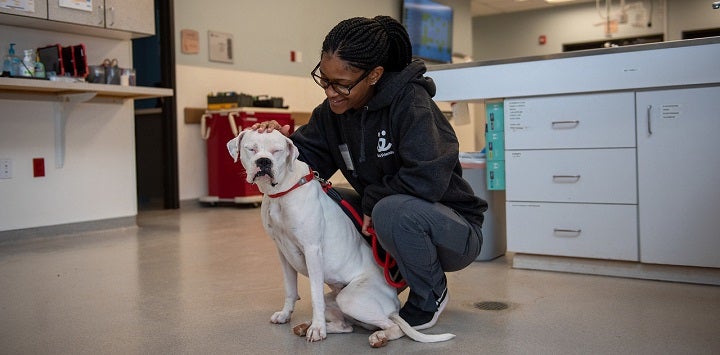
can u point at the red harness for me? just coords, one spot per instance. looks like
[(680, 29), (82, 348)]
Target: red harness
[(387, 262)]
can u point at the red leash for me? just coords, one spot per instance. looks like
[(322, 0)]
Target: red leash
[(386, 263)]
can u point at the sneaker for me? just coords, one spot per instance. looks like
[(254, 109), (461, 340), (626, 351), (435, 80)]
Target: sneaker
[(420, 319)]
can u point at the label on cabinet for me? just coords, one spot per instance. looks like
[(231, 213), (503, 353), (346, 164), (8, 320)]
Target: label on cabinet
[(77, 5), (670, 111), (515, 111)]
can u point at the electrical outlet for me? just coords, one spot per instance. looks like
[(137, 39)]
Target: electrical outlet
[(5, 168)]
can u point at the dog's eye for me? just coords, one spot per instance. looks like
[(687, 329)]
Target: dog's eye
[(251, 149), (275, 151)]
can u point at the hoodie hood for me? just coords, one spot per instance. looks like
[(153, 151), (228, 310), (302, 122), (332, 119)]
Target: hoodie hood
[(393, 83)]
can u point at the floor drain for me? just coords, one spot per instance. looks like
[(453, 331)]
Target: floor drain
[(491, 306)]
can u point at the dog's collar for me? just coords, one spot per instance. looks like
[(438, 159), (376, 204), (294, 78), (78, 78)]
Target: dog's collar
[(303, 180)]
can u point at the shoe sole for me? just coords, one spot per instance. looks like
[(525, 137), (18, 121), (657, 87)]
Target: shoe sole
[(435, 317)]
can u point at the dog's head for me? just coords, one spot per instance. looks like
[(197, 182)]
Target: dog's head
[(266, 157)]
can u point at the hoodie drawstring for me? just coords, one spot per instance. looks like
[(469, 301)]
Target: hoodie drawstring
[(362, 135)]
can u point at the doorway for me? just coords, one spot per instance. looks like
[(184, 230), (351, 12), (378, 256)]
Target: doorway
[(156, 152)]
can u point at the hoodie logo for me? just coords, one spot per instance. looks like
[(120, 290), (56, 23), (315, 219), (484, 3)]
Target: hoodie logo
[(383, 146)]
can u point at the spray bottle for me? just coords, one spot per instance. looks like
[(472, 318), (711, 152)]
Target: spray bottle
[(11, 62)]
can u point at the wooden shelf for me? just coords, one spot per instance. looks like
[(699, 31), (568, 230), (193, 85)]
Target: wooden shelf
[(65, 96), (56, 88)]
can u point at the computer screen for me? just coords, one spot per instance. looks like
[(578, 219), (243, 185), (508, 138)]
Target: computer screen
[(429, 25)]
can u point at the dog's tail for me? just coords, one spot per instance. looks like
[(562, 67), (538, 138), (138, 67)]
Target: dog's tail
[(416, 335)]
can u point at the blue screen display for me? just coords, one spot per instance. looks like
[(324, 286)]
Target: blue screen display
[(429, 25)]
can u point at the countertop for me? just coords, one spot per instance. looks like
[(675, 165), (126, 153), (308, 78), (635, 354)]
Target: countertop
[(582, 53)]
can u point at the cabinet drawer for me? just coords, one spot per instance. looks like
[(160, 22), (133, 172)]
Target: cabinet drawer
[(577, 175), (571, 121), (577, 230)]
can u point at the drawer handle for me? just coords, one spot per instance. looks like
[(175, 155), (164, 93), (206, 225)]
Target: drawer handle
[(567, 231), (565, 124), (566, 178)]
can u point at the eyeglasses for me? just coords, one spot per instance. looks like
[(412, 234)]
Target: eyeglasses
[(338, 88)]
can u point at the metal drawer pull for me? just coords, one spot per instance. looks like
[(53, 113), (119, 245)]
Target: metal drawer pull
[(649, 121), (565, 124), (562, 230), (566, 178)]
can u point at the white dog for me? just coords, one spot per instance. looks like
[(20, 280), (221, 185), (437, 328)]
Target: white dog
[(315, 238)]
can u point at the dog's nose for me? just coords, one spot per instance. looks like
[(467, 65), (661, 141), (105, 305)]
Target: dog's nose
[(263, 163)]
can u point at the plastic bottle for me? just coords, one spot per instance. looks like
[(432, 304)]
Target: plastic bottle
[(27, 68), (39, 67), (11, 62)]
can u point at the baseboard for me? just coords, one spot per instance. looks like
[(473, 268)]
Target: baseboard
[(696, 275), (30, 234)]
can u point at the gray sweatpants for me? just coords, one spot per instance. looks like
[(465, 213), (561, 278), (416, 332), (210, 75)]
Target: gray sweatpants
[(426, 239)]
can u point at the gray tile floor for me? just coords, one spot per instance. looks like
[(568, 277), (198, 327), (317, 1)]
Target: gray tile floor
[(206, 280)]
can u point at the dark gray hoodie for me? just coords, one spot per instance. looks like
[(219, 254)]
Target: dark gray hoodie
[(399, 143)]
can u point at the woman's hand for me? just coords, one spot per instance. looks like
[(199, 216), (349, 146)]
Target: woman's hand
[(269, 126), (367, 223)]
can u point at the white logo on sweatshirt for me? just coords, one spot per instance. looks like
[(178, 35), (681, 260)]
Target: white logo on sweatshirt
[(383, 146)]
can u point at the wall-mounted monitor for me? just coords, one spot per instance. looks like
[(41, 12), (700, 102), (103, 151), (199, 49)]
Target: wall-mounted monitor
[(430, 26)]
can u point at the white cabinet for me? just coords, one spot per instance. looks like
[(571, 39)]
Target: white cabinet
[(571, 177), (678, 176), (136, 16)]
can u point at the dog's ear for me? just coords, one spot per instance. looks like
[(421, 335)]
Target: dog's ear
[(293, 153), (233, 146)]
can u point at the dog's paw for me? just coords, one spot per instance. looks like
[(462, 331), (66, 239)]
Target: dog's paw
[(378, 339), (316, 332), (280, 317)]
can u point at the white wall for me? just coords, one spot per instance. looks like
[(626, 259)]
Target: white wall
[(265, 32), (516, 34), (98, 178)]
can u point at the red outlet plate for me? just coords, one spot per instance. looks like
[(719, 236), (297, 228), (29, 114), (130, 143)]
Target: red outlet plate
[(38, 167)]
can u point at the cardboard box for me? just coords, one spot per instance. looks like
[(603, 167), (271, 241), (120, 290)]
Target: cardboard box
[(494, 117), (495, 145), (495, 173)]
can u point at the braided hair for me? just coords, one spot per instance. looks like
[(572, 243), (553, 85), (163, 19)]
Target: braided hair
[(366, 43)]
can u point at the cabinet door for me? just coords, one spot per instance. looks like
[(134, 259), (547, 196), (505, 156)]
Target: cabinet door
[(130, 15), (38, 10), (678, 176), (90, 14)]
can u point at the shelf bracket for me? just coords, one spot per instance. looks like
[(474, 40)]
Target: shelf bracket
[(65, 104)]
